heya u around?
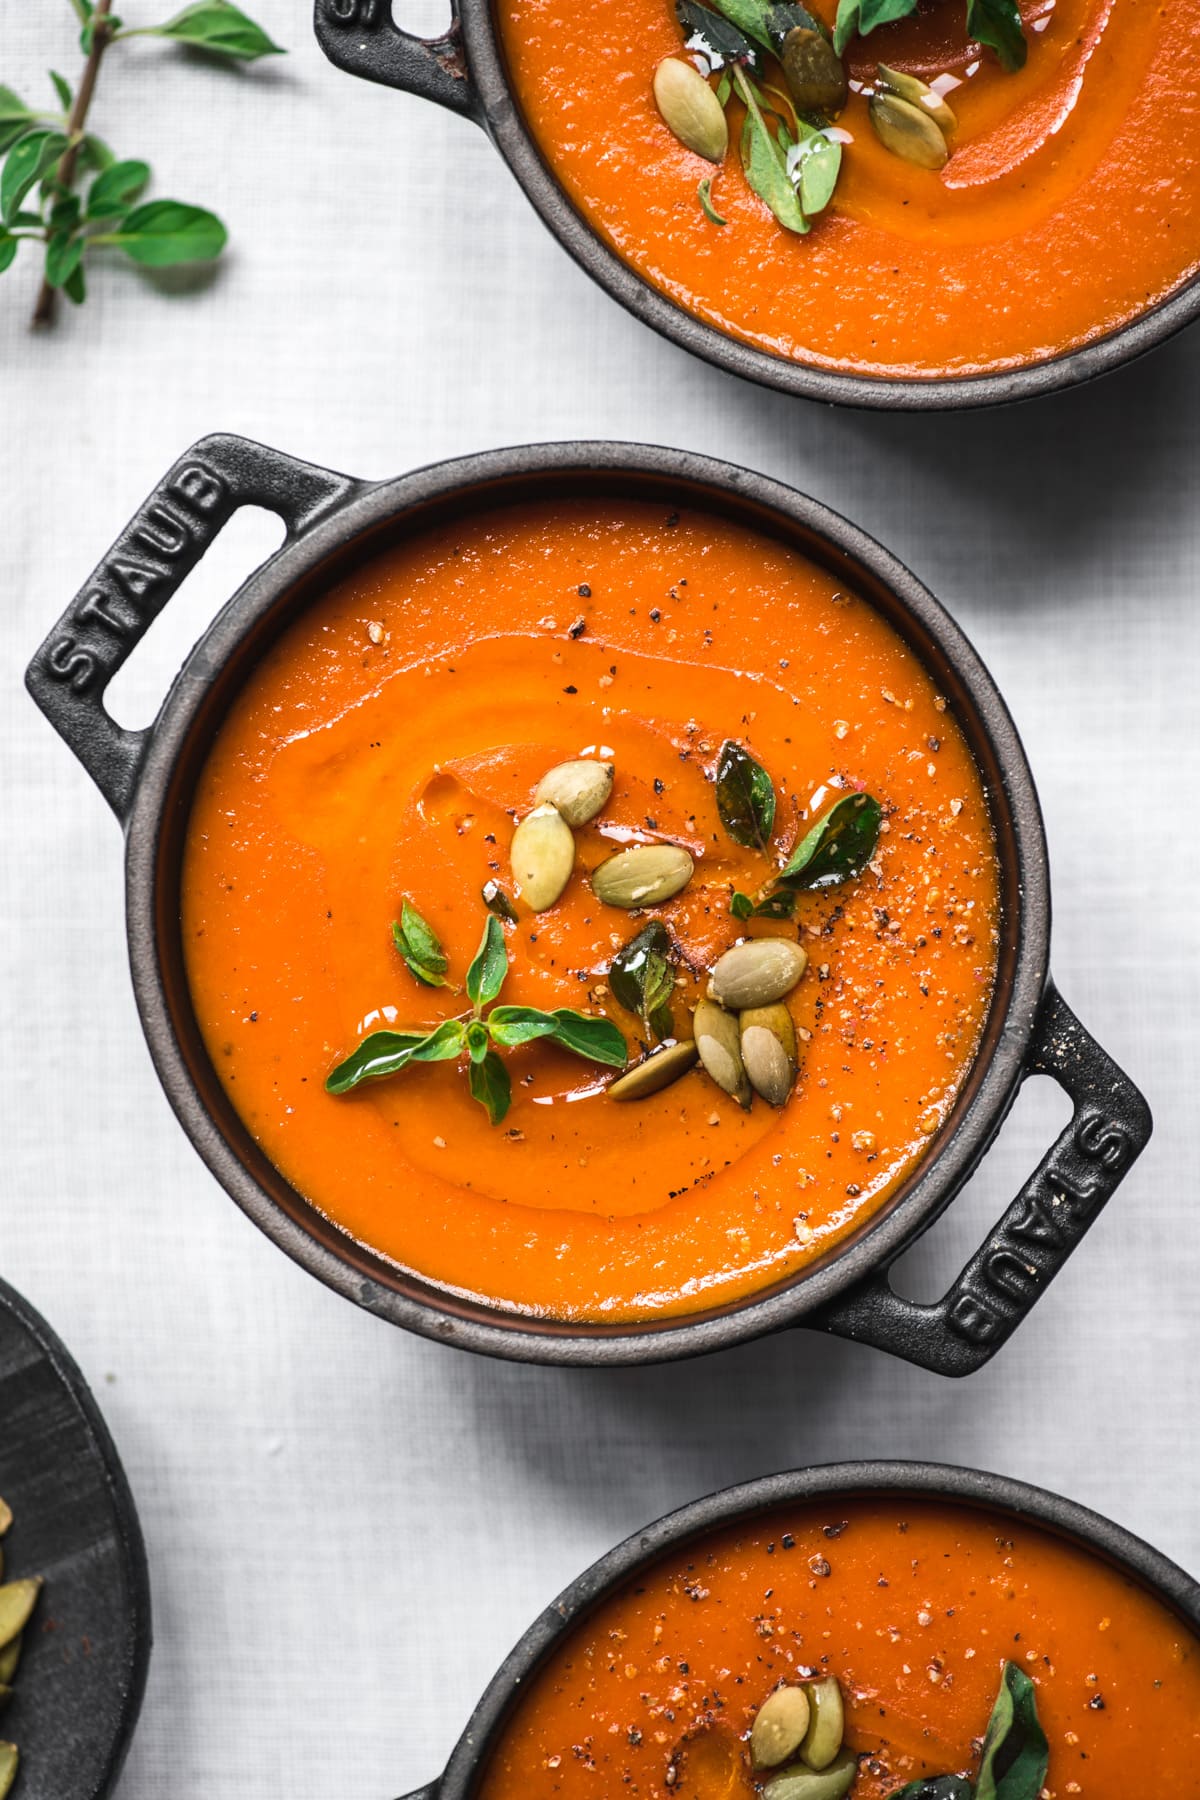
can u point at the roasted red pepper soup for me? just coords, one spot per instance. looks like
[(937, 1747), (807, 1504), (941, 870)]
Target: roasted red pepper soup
[(382, 755), (915, 1607), (1070, 201)]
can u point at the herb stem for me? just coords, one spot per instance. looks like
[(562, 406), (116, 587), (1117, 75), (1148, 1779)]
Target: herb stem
[(43, 312)]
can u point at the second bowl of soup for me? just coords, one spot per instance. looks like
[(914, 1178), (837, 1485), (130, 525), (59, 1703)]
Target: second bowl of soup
[(893, 205), (590, 903)]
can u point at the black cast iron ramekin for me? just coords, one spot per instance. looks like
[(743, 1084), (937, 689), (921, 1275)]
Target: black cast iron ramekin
[(465, 71), (898, 1481), (334, 522)]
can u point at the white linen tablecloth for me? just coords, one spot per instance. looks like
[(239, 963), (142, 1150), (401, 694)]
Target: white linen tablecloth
[(347, 1526)]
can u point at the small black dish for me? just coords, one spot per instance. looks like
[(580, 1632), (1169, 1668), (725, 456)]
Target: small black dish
[(79, 1686)]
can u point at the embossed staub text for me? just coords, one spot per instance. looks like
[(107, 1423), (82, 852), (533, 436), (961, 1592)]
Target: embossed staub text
[(138, 576)]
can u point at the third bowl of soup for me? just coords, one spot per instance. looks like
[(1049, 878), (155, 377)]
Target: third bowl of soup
[(885, 1631), (589, 903), (873, 201)]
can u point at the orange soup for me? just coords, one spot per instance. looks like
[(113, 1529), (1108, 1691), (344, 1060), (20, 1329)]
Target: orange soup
[(380, 758), (914, 1608), (1070, 201)]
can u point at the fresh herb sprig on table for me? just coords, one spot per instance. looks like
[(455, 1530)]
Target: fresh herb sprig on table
[(836, 849), (479, 1035), (49, 152)]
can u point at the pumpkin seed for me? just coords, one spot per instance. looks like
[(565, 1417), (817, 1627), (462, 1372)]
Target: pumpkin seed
[(908, 131), (756, 973), (9, 1758), (543, 855), (769, 1054), (5, 1516), (10, 1656), (17, 1601), (655, 1072), (779, 1727), (643, 875), (815, 77), (826, 1723), (578, 790), (907, 87), (719, 1046), (799, 1783), (690, 109)]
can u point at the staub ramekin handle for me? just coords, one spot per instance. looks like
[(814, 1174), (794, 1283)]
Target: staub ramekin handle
[(361, 37), (162, 543), (1109, 1128)]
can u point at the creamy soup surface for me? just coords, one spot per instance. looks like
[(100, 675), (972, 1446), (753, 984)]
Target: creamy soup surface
[(385, 749)]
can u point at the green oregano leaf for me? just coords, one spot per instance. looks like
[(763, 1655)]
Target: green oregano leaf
[(814, 166), (94, 154), (765, 163), (784, 16), (513, 1025), (218, 27), (116, 188), (9, 246), (594, 1038), (381, 1053), (30, 158), (485, 977), (497, 901), (707, 31), (64, 253), (15, 117), (704, 195), (741, 905), (420, 947), (997, 23), (1015, 1752), (779, 904), (839, 846), (749, 17), (446, 1041), (477, 1040), (745, 797), (75, 287), (62, 88), (166, 232), (491, 1086), (642, 978)]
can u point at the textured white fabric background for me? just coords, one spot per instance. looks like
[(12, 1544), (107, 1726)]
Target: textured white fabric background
[(348, 1527)]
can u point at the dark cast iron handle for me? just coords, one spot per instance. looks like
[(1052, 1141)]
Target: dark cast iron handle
[(361, 37), (1109, 1128), (161, 544)]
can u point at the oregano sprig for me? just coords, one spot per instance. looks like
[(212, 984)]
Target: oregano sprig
[(48, 152), (475, 1037)]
